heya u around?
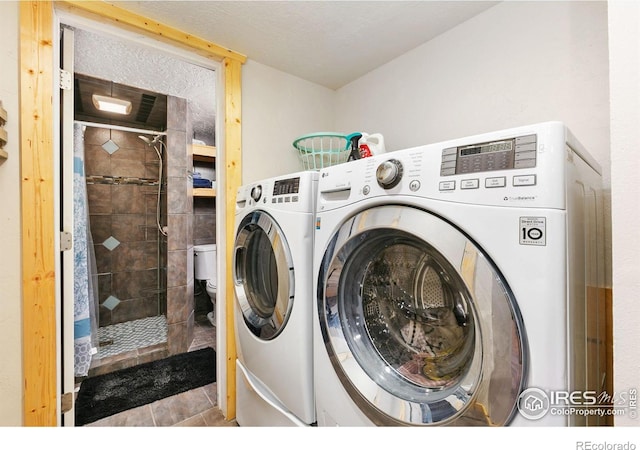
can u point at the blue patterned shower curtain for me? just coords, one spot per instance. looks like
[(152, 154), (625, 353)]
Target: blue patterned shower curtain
[(85, 286)]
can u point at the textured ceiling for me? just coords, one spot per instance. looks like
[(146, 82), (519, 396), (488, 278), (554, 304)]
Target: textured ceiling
[(330, 43)]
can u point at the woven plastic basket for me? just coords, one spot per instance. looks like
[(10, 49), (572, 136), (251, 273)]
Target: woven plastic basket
[(319, 150)]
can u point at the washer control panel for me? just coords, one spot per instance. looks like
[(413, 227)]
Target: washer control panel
[(286, 190), (518, 167), (503, 154)]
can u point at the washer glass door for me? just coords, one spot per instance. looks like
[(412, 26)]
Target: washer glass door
[(419, 325), (263, 275)]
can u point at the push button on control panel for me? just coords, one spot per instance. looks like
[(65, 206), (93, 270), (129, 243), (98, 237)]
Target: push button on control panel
[(470, 184), (447, 185), (495, 182), (524, 180)]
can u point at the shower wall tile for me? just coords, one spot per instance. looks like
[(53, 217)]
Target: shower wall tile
[(151, 171), (111, 243), (180, 335), (110, 147), (96, 136), (177, 339), (127, 163), (179, 207), (97, 161), (103, 258), (176, 113), (190, 267), (151, 192), (179, 171), (104, 286), (177, 304), (100, 227), (150, 155), (126, 139), (177, 199), (128, 199), (177, 239), (151, 229), (134, 256), (127, 285), (99, 196), (151, 206), (136, 308), (127, 214), (177, 263), (104, 317), (190, 290), (189, 230), (128, 227), (176, 155)]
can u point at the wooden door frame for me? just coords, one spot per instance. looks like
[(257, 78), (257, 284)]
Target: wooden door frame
[(39, 240)]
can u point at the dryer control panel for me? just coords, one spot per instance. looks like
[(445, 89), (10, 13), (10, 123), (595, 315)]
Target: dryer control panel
[(516, 153)]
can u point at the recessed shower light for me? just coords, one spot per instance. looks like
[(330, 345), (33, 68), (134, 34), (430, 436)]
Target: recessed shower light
[(110, 104)]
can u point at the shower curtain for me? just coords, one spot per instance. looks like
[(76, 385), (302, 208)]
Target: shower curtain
[(85, 286)]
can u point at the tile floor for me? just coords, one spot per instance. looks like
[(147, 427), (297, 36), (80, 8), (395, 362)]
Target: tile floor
[(195, 408)]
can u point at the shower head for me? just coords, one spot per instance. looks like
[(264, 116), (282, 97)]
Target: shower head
[(145, 139), (150, 142)]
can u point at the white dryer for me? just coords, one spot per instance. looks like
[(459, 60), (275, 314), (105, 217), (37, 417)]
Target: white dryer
[(457, 283), (274, 302)]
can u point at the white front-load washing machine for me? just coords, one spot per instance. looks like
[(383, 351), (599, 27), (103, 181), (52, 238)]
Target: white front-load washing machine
[(457, 283), (274, 302)]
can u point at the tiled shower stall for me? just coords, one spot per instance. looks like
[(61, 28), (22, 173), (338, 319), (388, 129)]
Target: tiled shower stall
[(145, 280)]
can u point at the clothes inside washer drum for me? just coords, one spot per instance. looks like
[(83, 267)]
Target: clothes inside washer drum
[(405, 290)]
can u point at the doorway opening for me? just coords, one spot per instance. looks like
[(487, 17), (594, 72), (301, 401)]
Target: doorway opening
[(138, 175)]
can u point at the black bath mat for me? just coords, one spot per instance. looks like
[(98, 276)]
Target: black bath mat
[(104, 395)]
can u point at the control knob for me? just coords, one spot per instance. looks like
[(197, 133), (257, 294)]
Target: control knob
[(389, 173), (256, 193)]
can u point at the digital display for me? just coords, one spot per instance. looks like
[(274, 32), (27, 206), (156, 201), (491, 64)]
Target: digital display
[(289, 186), (490, 147), (502, 154)]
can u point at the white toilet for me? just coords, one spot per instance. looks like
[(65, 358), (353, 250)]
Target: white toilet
[(205, 265)]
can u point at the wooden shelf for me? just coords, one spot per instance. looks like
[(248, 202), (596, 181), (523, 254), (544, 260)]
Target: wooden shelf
[(206, 154), (203, 152), (204, 192)]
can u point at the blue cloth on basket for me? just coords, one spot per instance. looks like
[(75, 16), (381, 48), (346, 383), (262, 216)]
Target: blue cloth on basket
[(202, 183)]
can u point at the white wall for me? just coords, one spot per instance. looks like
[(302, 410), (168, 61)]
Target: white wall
[(276, 109), (10, 248), (624, 47), (516, 63)]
